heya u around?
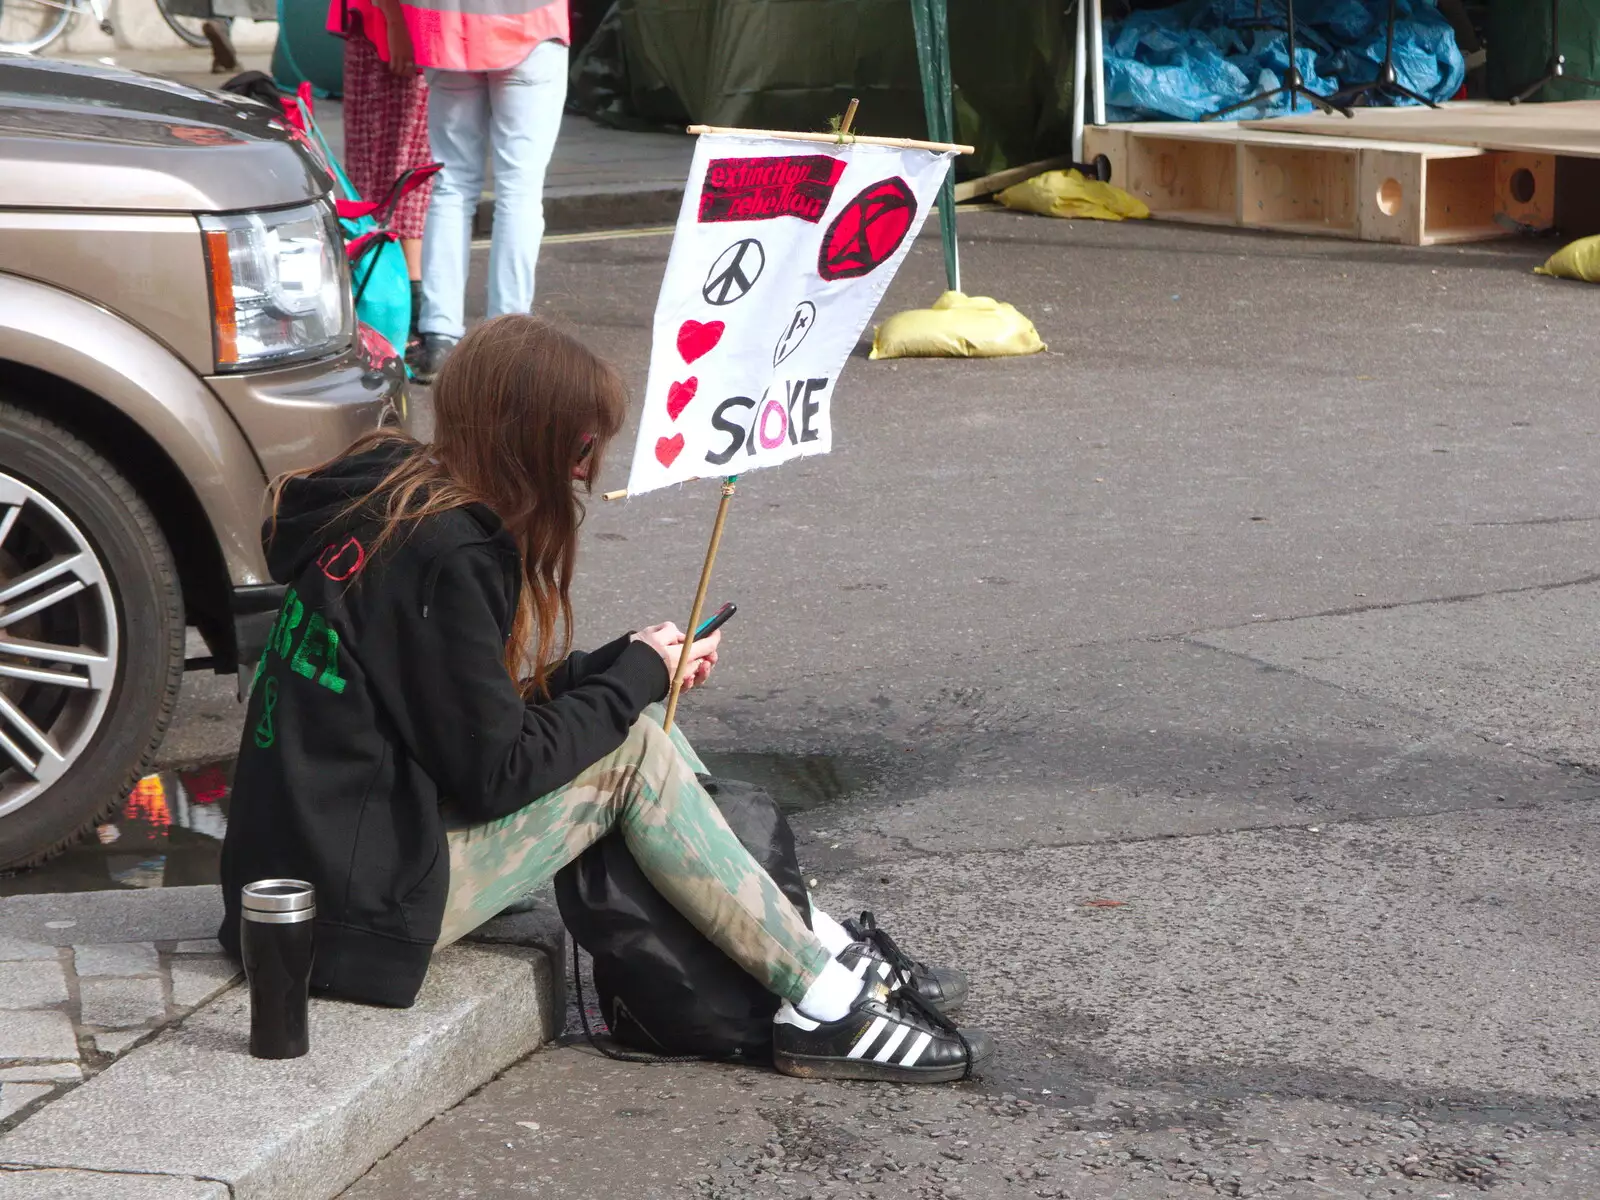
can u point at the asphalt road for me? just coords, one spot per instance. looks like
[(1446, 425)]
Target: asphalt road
[(1263, 604)]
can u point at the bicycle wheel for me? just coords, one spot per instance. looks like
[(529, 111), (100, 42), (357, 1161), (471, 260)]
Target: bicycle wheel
[(29, 25), (188, 28)]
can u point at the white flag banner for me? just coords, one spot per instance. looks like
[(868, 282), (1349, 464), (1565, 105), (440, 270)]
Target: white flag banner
[(782, 251)]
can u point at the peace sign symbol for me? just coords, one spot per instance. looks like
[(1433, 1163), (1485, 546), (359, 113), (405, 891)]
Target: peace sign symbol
[(735, 272)]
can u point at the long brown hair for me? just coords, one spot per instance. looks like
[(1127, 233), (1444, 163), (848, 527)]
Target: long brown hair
[(516, 406)]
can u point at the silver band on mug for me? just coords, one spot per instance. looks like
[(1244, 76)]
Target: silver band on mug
[(278, 895)]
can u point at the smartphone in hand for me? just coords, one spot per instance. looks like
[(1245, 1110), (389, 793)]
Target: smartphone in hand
[(716, 621)]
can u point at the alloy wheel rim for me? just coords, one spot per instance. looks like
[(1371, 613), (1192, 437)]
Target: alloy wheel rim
[(58, 643)]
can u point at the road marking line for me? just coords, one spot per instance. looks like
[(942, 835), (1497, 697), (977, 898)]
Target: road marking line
[(596, 235)]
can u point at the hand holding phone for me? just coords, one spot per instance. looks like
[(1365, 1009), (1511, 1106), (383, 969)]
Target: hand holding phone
[(700, 666), (667, 640)]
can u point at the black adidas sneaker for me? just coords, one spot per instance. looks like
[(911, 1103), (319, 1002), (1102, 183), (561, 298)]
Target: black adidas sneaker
[(890, 1035), (874, 952)]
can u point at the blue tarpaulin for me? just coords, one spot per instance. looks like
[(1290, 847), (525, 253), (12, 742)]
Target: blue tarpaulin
[(1187, 61)]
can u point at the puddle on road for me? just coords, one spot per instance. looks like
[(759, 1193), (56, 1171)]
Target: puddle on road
[(168, 833), (798, 782)]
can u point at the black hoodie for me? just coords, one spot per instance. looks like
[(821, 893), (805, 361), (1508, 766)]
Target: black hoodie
[(382, 696)]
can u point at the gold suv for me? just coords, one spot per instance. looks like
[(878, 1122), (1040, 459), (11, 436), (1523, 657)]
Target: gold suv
[(176, 328)]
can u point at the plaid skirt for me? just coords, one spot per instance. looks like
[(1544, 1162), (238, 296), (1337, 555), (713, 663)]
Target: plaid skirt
[(385, 129)]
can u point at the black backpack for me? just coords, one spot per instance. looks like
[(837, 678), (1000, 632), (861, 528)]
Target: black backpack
[(664, 988)]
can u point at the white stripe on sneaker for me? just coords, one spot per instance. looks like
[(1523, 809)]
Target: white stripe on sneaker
[(891, 1044), (860, 969), (867, 1038), (909, 1059), (883, 970)]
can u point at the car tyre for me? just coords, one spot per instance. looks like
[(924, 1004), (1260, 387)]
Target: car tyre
[(122, 561)]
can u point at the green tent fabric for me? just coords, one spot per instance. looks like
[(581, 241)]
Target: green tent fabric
[(306, 50), (792, 64), (1518, 40)]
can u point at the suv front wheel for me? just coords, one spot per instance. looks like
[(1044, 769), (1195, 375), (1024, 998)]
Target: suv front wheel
[(91, 637)]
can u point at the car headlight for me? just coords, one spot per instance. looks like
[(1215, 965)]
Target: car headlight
[(280, 286)]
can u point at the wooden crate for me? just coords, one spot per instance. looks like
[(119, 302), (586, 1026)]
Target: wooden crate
[(1413, 193), (1299, 189), (1182, 179)]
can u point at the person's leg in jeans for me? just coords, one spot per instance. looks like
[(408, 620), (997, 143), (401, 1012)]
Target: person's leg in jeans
[(647, 789), (458, 131), (525, 105)]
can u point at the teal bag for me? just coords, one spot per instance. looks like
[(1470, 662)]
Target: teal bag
[(379, 278)]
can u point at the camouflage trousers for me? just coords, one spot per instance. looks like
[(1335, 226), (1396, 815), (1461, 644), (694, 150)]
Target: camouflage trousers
[(648, 790)]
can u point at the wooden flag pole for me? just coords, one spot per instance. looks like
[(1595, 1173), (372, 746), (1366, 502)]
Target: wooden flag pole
[(699, 600), (716, 533), (789, 135)]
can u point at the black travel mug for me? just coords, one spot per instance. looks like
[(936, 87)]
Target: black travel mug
[(275, 943)]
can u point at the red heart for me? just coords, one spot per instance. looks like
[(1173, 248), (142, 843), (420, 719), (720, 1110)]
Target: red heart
[(696, 339), (668, 449), (679, 395)]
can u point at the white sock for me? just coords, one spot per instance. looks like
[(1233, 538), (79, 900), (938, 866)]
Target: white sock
[(829, 932), (830, 997)]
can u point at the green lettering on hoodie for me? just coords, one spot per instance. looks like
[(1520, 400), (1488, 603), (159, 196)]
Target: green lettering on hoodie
[(320, 641), (320, 637)]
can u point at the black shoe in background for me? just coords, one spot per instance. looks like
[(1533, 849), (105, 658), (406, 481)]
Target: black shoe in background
[(432, 350)]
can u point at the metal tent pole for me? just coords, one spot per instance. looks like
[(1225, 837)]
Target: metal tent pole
[(1079, 72), (1097, 63)]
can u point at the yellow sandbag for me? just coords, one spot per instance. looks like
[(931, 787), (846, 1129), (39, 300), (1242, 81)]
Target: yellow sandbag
[(1072, 194), (957, 326), (1579, 260)]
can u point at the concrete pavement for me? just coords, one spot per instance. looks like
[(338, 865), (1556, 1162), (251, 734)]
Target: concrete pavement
[(125, 1070), (1258, 607), (84, 980)]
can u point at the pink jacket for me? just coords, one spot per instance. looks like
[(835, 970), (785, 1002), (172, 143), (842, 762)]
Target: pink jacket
[(462, 35)]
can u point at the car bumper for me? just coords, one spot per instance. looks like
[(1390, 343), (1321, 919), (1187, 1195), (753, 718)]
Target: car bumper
[(298, 417), (303, 415)]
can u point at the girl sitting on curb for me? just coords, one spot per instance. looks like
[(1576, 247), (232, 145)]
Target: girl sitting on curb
[(416, 680)]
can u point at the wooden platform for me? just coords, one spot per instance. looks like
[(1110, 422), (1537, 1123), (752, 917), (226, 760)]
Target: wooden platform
[(1465, 172), (1569, 128)]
